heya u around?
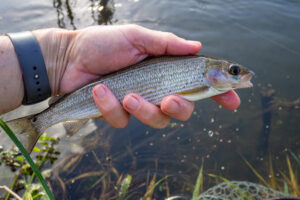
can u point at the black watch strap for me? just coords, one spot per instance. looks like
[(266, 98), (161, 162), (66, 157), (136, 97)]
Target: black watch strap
[(35, 77)]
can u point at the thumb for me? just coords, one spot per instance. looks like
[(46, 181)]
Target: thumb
[(156, 43)]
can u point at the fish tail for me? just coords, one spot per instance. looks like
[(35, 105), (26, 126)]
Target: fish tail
[(25, 131)]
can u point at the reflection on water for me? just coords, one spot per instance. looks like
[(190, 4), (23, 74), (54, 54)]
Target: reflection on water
[(101, 12), (60, 13), (267, 100), (263, 134)]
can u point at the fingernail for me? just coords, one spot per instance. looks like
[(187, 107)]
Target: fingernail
[(132, 103), (100, 91), (172, 107)]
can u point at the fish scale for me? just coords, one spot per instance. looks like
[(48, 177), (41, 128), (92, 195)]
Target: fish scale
[(159, 80), (153, 82)]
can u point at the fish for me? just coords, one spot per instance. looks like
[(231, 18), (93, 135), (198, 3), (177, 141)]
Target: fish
[(192, 77)]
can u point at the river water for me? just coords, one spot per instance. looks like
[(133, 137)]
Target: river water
[(262, 35)]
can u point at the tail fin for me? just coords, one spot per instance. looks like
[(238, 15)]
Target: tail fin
[(24, 131)]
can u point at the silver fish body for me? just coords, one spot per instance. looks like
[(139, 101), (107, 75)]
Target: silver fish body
[(152, 80), (192, 77)]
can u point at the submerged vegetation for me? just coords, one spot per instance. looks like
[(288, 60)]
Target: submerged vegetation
[(94, 175), (131, 169), (288, 184), (103, 171), (24, 182)]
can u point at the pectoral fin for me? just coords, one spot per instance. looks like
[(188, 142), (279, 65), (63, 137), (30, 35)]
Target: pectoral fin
[(199, 93)]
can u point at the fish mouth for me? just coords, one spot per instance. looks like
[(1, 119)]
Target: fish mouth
[(245, 80), (247, 84)]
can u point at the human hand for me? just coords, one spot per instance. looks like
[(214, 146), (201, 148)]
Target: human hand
[(95, 51)]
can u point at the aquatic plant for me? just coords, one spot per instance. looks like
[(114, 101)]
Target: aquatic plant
[(288, 185), (199, 183), (101, 175), (153, 184), (25, 169), (96, 174), (124, 187), (228, 189), (296, 157)]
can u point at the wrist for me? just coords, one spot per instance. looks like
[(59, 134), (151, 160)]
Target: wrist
[(55, 45)]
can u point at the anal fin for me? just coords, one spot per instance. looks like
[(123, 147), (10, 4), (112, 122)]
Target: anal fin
[(73, 127)]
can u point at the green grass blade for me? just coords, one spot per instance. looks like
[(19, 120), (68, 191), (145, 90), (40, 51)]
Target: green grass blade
[(152, 186), (272, 174), (159, 181), (219, 177), (286, 189), (295, 157), (293, 178), (28, 158), (124, 187), (199, 183), (255, 172), (98, 181), (12, 186)]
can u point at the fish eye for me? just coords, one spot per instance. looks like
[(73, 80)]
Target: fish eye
[(234, 70)]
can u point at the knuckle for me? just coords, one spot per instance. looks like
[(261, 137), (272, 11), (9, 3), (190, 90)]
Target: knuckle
[(134, 27), (187, 114), (158, 122), (122, 124), (155, 118), (118, 118), (162, 123), (108, 108), (148, 116), (170, 35), (184, 118)]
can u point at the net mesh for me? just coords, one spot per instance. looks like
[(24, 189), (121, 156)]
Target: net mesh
[(239, 190)]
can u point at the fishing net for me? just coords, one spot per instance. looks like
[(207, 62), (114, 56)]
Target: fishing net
[(239, 190)]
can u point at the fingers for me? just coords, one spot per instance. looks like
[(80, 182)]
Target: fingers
[(148, 113), (154, 43), (171, 106), (177, 107), (110, 107), (144, 111), (229, 100)]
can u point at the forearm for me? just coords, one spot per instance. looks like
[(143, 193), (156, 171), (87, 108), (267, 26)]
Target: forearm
[(54, 44), (11, 83)]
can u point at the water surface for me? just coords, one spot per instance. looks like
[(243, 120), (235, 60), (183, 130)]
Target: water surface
[(260, 34)]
